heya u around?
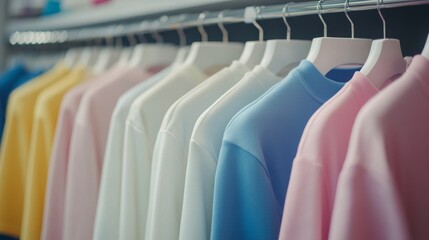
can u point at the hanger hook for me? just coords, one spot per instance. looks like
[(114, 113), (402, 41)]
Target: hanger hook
[(118, 42), (325, 26), (158, 38), (382, 17), (141, 37), (225, 36), (256, 24), (181, 32), (98, 42), (182, 36), (109, 40), (201, 17), (346, 9), (132, 39), (155, 34), (286, 12)]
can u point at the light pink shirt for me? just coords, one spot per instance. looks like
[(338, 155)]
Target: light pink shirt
[(98, 2), (320, 157), (52, 228), (87, 148), (383, 189)]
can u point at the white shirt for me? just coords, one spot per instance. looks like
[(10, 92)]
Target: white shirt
[(204, 150), (107, 216), (171, 152), (142, 126)]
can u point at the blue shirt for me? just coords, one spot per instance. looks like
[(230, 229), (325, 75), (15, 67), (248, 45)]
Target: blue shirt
[(8, 77), (258, 148), (9, 81), (51, 7)]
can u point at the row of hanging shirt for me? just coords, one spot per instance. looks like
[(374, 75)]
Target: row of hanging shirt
[(199, 147)]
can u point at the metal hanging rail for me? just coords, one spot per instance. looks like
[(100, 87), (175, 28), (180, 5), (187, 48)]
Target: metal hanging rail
[(192, 20), (334, 6)]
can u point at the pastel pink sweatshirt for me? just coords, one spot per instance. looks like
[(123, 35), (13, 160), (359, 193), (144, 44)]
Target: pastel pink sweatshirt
[(87, 149), (320, 156), (98, 2), (382, 190), (52, 228)]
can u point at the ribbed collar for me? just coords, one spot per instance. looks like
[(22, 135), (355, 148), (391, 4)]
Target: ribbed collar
[(317, 84)]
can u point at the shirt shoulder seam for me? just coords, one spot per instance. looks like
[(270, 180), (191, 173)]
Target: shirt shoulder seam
[(253, 156), (203, 148)]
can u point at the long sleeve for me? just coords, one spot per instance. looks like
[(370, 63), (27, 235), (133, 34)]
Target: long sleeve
[(307, 222), (107, 216), (135, 184), (13, 166), (166, 193), (82, 185), (367, 203), (36, 180), (198, 194), (244, 206), (366, 207), (54, 199)]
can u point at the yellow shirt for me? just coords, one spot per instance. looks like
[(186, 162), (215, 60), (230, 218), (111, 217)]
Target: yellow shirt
[(44, 124), (15, 145)]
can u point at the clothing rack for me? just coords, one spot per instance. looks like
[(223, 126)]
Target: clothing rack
[(183, 21)]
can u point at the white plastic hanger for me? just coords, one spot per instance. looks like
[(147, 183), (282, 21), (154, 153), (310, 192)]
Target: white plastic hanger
[(425, 52), (183, 51), (327, 53), (181, 56), (153, 55), (385, 59), (254, 50), (72, 56), (281, 55), (125, 55), (208, 55), (88, 56), (253, 53), (107, 57)]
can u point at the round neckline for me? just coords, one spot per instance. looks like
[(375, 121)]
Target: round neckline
[(318, 84)]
